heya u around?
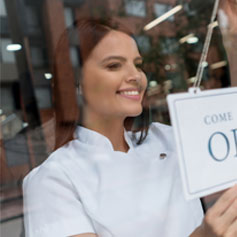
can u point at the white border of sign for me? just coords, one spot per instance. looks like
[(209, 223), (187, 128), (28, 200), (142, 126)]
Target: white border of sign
[(195, 93)]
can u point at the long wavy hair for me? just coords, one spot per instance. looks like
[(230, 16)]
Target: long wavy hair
[(85, 34)]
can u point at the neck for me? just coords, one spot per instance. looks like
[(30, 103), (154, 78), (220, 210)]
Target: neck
[(112, 128)]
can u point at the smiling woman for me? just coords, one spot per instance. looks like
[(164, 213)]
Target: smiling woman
[(110, 49), (114, 89), (106, 180)]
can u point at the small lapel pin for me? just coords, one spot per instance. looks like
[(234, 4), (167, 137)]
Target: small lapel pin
[(163, 156)]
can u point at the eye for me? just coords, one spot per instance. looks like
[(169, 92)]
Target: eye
[(140, 66), (114, 66)]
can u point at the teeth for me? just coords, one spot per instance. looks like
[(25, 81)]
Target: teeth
[(129, 92)]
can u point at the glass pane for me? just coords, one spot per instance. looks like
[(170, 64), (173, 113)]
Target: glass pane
[(68, 16), (7, 56), (2, 8), (66, 70), (43, 97), (135, 8), (160, 9)]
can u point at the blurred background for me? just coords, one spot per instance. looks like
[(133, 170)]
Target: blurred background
[(30, 30)]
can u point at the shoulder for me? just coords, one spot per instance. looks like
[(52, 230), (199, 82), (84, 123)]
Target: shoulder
[(159, 139), (52, 204), (163, 128), (52, 170), (161, 134)]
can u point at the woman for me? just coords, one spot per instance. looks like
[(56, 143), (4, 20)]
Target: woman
[(108, 181)]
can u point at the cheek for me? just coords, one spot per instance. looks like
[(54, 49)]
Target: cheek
[(99, 86), (93, 91), (144, 85), (144, 81)]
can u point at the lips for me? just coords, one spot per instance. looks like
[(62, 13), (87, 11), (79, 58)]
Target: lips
[(133, 94)]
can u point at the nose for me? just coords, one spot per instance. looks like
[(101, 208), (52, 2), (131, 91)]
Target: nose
[(133, 74)]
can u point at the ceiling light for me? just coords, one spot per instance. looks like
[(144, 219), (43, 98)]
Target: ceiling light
[(48, 76), (13, 47), (153, 83), (192, 79), (174, 66), (218, 65), (192, 40), (185, 38), (24, 125), (167, 67), (163, 17)]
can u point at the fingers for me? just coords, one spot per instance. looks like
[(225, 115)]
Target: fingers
[(229, 217), (221, 218), (227, 2), (227, 19), (221, 4), (223, 19), (224, 202), (232, 231)]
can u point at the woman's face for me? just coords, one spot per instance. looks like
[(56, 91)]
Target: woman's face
[(113, 82)]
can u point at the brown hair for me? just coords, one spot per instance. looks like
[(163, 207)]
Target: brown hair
[(85, 34)]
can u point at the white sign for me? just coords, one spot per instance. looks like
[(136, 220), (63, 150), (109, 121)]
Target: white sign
[(205, 128)]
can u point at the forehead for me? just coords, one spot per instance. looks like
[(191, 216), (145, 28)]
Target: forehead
[(116, 43)]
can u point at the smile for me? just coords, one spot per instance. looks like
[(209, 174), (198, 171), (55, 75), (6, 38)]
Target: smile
[(130, 94)]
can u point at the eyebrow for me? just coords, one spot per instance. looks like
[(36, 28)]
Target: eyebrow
[(118, 58)]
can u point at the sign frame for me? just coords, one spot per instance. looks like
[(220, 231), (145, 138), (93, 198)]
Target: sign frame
[(193, 94)]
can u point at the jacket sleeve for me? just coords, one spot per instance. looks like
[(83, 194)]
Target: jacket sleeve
[(51, 206)]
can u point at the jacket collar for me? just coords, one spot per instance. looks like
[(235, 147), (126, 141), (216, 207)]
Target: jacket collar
[(93, 138)]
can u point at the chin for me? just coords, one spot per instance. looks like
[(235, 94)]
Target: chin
[(134, 112)]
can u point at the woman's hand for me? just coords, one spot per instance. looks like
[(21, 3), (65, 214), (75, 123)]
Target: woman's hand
[(227, 17), (221, 219)]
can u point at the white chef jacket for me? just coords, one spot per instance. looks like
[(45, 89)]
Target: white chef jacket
[(87, 187)]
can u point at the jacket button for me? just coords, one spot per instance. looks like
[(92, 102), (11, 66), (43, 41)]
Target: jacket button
[(163, 156)]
